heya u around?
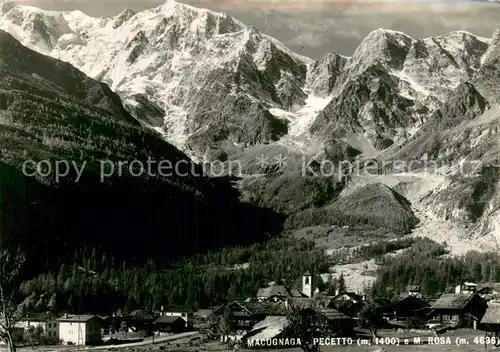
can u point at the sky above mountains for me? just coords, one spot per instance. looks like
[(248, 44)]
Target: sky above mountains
[(314, 28)]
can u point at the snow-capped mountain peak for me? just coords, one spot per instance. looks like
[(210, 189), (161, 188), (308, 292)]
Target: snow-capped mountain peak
[(124, 16), (33, 27), (381, 45), (186, 70), (168, 62)]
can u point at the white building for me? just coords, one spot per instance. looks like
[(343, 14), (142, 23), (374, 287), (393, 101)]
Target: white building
[(176, 311), (80, 330), (47, 322), (466, 287), (309, 284)]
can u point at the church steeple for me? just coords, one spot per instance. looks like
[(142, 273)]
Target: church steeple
[(307, 284)]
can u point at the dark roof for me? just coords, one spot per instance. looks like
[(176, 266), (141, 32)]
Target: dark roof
[(492, 315), (494, 285), (279, 291), (274, 290), (452, 301), (320, 301), (203, 312), (242, 305), (176, 309), (141, 314), (39, 317), (267, 308), (333, 314), (408, 297), (168, 319), (296, 293), (307, 273), (76, 318)]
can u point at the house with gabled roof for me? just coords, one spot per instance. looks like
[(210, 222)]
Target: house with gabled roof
[(185, 313), (242, 317), (491, 319), (407, 305), (489, 289), (80, 329), (277, 293), (169, 324), (458, 310), (46, 321), (318, 301), (349, 303)]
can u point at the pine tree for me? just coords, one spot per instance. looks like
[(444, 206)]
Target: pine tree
[(190, 294), (52, 304), (341, 288)]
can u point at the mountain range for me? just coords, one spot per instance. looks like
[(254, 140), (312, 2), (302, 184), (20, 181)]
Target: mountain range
[(216, 89)]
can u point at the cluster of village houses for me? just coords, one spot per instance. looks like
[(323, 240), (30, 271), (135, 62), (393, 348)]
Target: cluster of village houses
[(264, 317), (87, 329), (469, 306)]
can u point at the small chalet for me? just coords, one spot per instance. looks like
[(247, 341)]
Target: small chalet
[(348, 296), (245, 315), (242, 317), (201, 318), (405, 306), (340, 322), (458, 310), (110, 324), (169, 324), (141, 320), (491, 319), (349, 303), (178, 311)]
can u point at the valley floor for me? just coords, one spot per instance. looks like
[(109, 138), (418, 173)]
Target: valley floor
[(467, 337)]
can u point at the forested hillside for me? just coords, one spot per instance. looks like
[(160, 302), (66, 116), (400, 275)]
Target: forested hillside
[(96, 282), (426, 264), (50, 111)]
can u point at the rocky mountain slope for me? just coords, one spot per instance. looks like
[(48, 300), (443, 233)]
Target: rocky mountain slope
[(391, 85), (51, 112), (374, 205), (215, 87), (196, 75), (220, 90)]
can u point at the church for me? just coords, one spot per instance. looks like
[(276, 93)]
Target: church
[(281, 293)]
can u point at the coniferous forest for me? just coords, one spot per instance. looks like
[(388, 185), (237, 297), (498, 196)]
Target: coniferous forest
[(425, 263), (91, 281)]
